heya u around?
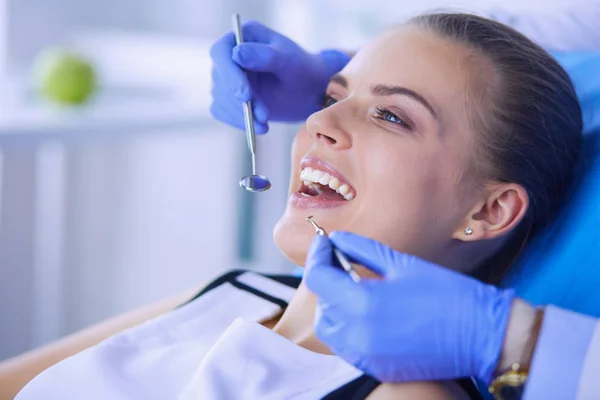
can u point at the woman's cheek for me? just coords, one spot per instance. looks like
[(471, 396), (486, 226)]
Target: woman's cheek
[(300, 145)]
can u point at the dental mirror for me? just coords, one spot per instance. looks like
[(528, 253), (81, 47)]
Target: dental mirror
[(254, 182)]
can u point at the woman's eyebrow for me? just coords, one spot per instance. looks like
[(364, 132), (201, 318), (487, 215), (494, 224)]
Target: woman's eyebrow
[(340, 80), (385, 90)]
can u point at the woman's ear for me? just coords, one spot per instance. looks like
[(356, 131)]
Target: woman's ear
[(498, 214)]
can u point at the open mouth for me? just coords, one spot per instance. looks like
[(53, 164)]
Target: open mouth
[(324, 186)]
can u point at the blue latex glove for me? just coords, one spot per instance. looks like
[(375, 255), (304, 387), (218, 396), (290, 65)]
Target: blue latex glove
[(285, 82), (420, 322)]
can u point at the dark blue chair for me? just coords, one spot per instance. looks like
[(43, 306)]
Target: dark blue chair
[(562, 264)]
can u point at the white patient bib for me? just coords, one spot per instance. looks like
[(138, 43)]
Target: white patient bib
[(251, 362), (210, 348)]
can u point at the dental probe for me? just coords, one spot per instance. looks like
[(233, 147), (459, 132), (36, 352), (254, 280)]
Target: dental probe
[(337, 253), (254, 182)]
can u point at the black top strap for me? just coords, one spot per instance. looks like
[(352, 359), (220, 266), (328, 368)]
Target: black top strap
[(361, 387), (358, 389), (231, 277), (470, 388)]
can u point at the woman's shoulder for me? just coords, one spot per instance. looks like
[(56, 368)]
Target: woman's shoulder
[(419, 390)]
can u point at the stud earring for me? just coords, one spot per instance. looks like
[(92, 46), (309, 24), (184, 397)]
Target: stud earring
[(468, 231)]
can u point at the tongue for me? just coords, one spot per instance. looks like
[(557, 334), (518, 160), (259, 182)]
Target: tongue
[(329, 194)]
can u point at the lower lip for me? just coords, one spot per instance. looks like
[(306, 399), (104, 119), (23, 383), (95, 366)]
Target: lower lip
[(300, 201)]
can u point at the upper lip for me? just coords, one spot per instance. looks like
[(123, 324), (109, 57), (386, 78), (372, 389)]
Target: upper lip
[(321, 165)]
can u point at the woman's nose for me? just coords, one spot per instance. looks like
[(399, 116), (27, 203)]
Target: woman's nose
[(325, 127)]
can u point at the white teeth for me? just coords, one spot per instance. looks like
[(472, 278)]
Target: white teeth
[(316, 175), (314, 178), (325, 178), (305, 174), (344, 189), (334, 183)]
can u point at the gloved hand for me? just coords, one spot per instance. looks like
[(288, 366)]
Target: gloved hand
[(285, 82), (420, 322)]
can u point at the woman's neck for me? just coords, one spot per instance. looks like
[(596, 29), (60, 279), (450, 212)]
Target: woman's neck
[(296, 323)]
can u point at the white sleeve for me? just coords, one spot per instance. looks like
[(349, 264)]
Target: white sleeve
[(561, 351), (589, 385), (573, 26)]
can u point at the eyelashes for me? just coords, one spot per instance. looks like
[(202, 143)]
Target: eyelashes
[(386, 115), (381, 113), (328, 101)]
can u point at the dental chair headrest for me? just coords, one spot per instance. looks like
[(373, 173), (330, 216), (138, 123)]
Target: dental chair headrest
[(562, 264)]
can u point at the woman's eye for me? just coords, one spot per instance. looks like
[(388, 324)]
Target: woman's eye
[(386, 115), (328, 101)]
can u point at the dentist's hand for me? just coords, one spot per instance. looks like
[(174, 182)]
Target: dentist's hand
[(420, 322), (285, 82)]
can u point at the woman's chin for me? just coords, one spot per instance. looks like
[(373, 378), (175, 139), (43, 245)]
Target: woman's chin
[(293, 236)]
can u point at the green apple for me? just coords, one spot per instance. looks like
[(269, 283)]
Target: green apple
[(64, 76)]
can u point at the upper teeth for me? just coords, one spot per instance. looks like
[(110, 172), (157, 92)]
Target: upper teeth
[(311, 176)]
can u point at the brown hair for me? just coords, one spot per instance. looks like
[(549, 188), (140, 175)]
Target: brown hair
[(529, 119)]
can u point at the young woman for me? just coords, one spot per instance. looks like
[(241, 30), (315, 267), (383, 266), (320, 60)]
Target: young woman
[(451, 137)]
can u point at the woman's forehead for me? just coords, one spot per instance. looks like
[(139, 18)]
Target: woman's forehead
[(414, 58)]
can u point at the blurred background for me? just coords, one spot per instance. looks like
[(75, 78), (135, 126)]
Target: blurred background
[(133, 196)]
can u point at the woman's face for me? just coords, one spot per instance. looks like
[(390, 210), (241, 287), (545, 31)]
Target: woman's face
[(395, 138)]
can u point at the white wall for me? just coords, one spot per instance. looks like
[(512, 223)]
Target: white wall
[(317, 24), (3, 36), (33, 24)]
